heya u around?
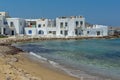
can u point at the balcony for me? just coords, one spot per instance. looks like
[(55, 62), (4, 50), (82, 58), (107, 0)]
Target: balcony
[(32, 26)]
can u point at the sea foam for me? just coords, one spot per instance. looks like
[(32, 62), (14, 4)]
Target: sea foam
[(57, 65), (38, 56)]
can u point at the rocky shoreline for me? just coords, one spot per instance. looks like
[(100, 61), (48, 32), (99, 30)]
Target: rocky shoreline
[(9, 41)]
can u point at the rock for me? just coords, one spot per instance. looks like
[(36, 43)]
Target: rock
[(14, 59), (1, 55), (8, 78)]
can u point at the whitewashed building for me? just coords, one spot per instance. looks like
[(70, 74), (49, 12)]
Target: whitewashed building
[(11, 26), (4, 28), (41, 27), (70, 26), (96, 30), (16, 26), (60, 27)]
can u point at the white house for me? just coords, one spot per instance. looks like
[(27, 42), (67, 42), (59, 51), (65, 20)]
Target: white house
[(16, 26), (4, 30), (41, 27), (96, 30), (30, 27), (51, 28), (70, 26)]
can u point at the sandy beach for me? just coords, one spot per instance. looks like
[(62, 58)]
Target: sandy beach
[(14, 65)]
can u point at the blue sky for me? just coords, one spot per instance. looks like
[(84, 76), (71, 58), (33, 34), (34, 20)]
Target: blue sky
[(106, 12)]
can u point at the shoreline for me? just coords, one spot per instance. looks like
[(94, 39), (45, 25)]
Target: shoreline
[(16, 39), (15, 52), (83, 74), (18, 66)]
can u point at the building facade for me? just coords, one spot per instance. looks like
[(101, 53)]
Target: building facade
[(4, 28), (96, 30), (16, 26), (60, 27), (41, 27), (70, 26)]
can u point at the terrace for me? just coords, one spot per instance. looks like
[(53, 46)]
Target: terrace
[(31, 24)]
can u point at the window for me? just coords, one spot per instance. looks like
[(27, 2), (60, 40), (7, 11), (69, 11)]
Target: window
[(77, 23), (30, 31), (66, 24), (98, 33), (61, 24), (61, 32), (50, 32), (88, 32), (31, 23), (76, 31), (43, 25), (39, 25), (4, 31), (11, 24), (66, 32), (54, 32), (81, 23), (41, 32), (5, 23)]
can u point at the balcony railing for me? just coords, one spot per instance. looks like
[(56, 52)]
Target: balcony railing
[(31, 26)]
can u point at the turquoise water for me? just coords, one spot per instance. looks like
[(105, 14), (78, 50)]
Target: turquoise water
[(98, 54)]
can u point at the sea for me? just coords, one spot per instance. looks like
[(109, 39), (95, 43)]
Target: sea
[(80, 58)]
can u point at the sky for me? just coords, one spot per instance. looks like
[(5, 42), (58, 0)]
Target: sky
[(104, 12)]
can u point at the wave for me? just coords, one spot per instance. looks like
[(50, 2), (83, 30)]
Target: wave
[(38, 56), (72, 72), (56, 65), (53, 63)]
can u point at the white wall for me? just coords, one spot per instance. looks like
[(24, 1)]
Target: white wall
[(93, 31), (43, 23), (18, 25), (71, 25), (44, 26), (3, 25), (34, 31), (21, 26)]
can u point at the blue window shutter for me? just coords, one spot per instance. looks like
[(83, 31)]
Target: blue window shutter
[(30, 31)]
